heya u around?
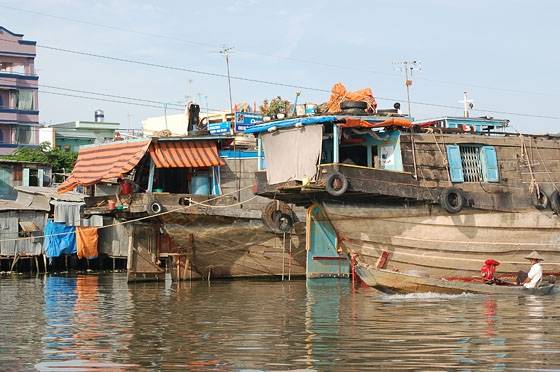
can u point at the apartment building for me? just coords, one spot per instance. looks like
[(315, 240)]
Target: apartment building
[(19, 106)]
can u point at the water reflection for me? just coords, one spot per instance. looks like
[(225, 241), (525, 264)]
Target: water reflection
[(100, 322)]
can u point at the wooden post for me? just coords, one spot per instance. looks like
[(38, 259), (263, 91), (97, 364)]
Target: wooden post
[(45, 263), (37, 264), (114, 263), (335, 144), (129, 257), (66, 262)]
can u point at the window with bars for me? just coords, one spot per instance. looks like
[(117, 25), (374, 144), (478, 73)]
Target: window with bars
[(472, 163), (470, 160)]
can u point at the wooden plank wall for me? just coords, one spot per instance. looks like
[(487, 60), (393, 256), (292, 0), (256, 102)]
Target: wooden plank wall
[(543, 153)]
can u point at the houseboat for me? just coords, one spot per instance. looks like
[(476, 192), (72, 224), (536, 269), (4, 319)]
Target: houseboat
[(189, 199), (437, 196)]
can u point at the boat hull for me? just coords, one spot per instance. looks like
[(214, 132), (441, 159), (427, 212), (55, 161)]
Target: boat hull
[(428, 239), (232, 247), (396, 282)]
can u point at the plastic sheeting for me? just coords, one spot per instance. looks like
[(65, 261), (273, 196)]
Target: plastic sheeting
[(292, 154), (59, 239), (340, 94), (288, 123)]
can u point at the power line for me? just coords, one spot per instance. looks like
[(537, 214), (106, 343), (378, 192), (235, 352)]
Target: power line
[(105, 100), (299, 60), (267, 82)]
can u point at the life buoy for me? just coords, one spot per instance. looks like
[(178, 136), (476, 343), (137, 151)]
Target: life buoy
[(337, 184), (154, 208), (555, 202), (540, 199), (452, 200)]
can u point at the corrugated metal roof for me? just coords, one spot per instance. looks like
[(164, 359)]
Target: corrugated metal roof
[(197, 154), (52, 193), (99, 163)]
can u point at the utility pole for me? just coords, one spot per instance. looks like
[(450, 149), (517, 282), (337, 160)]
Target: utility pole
[(226, 51), (408, 67)]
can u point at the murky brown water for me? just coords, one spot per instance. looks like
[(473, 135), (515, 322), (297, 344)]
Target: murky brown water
[(100, 322)]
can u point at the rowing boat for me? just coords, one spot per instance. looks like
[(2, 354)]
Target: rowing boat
[(397, 282)]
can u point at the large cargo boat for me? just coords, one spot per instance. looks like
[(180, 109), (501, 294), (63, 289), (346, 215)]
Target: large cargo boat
[(438, 196), (189, 199)]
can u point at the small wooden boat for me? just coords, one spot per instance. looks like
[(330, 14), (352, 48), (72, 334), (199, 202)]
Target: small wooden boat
[(396, 282)]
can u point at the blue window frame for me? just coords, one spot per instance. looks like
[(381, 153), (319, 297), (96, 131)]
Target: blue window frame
[(472, 163)]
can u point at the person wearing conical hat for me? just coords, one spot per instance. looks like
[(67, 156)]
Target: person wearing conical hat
[(534, 275)]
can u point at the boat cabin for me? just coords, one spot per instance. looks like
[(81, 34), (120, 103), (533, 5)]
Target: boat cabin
[(473, 160), (127, 178)]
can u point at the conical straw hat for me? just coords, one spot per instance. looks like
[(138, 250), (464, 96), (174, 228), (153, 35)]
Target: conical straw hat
[(534, 256)]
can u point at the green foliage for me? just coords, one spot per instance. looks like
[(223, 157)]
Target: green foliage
[(276, 106), (59, 159)]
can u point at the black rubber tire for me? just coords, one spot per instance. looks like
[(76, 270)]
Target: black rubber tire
[(154, 208), (452, 200), (540, 199), (284, 222), (330, 185), (555, 202), (354, 111), (349, 104), (273, 212)]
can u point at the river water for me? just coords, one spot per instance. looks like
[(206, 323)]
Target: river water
[(99, 322)]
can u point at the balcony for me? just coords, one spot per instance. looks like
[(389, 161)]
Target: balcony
[(15, 116), (11, 80)]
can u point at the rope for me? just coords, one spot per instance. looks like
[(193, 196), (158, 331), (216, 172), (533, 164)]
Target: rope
[(193, 203), (545, 167)]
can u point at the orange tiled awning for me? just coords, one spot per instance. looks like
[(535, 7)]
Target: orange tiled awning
[(104, 163), (185, 154)]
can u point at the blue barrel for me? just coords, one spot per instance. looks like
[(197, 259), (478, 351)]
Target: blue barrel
[(200, 184)]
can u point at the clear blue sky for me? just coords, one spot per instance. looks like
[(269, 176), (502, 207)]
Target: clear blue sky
[(504, 53)]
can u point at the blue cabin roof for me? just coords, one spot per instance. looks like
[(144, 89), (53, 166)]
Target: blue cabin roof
[(455, 122)]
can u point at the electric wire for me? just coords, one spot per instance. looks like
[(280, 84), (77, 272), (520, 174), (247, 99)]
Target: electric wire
[(253, 53), (273, 83), (204, 203)]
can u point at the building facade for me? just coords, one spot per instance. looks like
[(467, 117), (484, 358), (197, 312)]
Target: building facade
[(71, 135), (19, 108)]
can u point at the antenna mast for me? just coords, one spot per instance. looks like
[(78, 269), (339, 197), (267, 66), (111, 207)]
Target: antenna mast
[(226, 51), (408, 67)]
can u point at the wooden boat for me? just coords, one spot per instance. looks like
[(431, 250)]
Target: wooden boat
[(443, 194), (397, 282), (196, 192)]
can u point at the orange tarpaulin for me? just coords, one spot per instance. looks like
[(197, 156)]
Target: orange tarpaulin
[(104, 163), (340, 94), (185, 154), (86, 242), (391, 122)]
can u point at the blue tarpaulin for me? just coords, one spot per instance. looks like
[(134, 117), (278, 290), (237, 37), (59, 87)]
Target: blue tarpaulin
[(259, 128), (59, 239)]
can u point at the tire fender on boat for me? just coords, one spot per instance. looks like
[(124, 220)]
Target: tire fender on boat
[(540, 199), (154, 208), (452, 200), (336, 190), (555, 202)]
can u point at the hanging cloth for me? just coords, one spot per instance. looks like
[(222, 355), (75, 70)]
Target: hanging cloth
[(86, 241)]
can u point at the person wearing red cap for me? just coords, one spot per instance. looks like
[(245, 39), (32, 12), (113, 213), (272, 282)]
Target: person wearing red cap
[(488, 271)]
